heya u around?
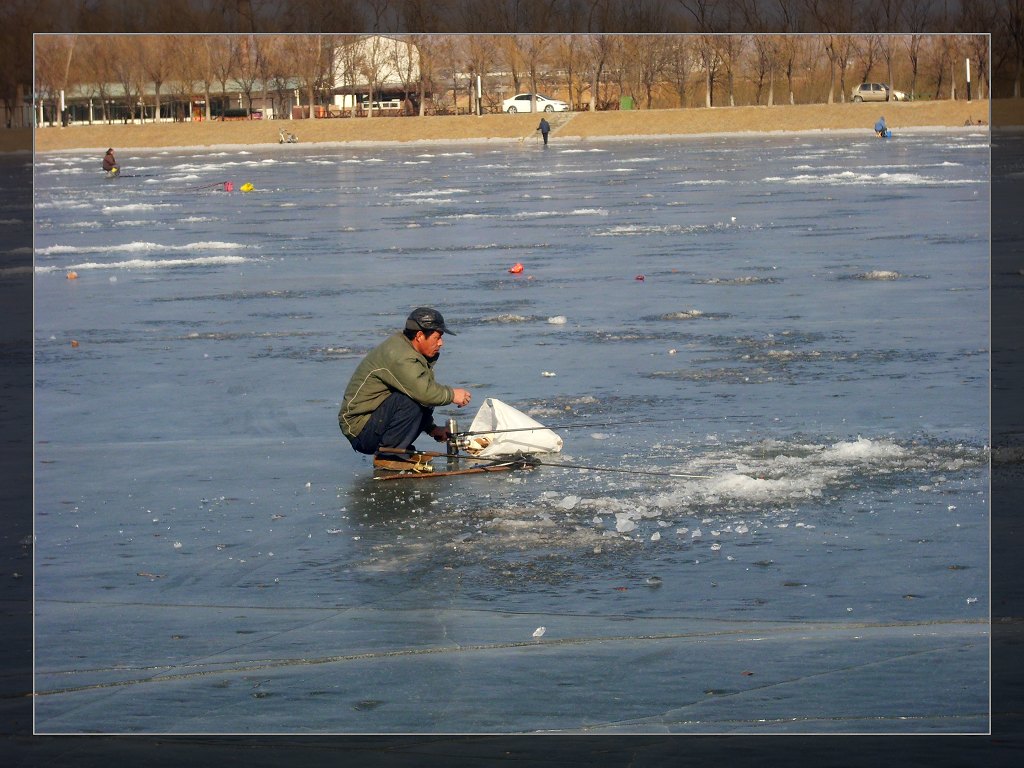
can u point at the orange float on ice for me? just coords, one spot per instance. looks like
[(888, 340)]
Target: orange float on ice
[(72, 275), (516, 268)]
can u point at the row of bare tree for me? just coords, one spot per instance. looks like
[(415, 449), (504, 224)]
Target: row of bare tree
[(1003, 20), (591, 71), (174, 67)]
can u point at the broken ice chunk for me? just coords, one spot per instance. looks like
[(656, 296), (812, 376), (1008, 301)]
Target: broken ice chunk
[(623, 523)]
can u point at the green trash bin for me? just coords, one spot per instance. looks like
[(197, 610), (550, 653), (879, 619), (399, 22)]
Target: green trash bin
[(626, 102)]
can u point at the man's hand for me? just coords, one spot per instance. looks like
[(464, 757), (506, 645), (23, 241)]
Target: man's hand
[(461, 397), (441, 434)]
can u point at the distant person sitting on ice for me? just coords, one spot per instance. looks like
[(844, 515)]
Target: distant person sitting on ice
[(110, 163), (391, 397), (880, 128)]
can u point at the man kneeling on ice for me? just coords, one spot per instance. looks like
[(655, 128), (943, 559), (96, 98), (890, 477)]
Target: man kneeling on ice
[(391, 397)]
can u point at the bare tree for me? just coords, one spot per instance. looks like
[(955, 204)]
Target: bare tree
[(309, 59), (832, 53), (155, 58), (381, 15), (918, 17), (978, 17), (1011, 21), (185, 66), (374, 59), (424, 16), (598, 51), (97, 68), (706, 14), (512, 59), (708, 56), (645, 58), (246, 71), (761, 69), (618, 72), (707, 19), (20, 19), (886, 47), (677, 66), (405, 62), (222, 63), (866, 52), (54, 54), (444, 56), (472, 60), (953, 53), (977, 46), (729, 48), (535, 49), (322, 16), (890, 14), (428, 47), (845, 47), (790, 47), (278, 73), (570, 58), (127, 69), (205, 70), (262, 45)]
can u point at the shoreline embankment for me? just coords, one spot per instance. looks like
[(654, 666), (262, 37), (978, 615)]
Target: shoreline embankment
[(575, 126)]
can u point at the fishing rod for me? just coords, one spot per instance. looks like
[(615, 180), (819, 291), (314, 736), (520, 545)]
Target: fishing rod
[(206, 186), (440, 454), (535, 462)]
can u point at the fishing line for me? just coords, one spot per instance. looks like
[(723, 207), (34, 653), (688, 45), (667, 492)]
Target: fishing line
[(564, 426), (540, 463)]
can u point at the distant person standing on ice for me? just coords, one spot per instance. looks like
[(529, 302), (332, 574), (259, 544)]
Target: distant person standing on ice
[(881, 128), (390, 398), (545, 129), (110, 162)]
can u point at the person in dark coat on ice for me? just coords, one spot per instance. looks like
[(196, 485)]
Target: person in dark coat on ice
[(545, 129)]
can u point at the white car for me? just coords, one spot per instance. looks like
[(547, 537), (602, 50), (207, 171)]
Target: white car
[(521, 103)]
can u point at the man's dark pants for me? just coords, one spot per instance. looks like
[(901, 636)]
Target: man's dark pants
[(395, 424)]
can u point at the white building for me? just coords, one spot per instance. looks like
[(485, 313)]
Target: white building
[(386, 67)]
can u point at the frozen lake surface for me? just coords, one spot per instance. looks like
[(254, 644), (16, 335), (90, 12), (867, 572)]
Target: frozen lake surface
[(810, 335)]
